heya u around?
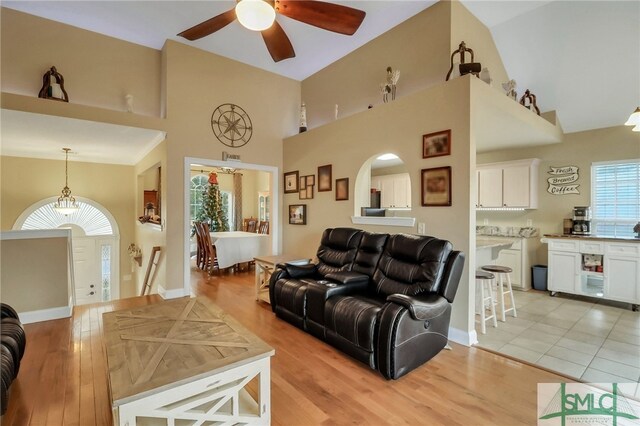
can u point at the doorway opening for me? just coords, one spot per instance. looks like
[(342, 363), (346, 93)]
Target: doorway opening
[(95, 241), (266, 205)]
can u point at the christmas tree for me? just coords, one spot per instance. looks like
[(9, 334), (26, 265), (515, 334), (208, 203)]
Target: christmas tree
[(213, 206)]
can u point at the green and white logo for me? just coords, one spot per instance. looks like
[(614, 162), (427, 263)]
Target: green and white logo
[(587, 404)]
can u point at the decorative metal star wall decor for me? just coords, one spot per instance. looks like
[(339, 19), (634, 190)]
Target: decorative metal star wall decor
[(231, 125)]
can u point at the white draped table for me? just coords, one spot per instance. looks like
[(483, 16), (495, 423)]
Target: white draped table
[(239, 247)]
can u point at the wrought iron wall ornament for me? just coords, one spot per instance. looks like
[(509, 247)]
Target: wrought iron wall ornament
[(465, 67), (52, 90), (388, 89), (528, 100), (231, 125)]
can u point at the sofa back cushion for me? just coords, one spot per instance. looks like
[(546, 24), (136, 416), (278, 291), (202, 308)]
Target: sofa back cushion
[(338, 248), (369, 252), (411, 265)]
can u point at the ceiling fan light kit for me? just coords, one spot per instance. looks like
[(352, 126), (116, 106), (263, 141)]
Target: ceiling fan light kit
[(260, 15), (634, 120), (255, 15)]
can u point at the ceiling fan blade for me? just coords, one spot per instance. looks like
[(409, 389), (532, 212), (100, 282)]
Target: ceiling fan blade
[(328, 16), (278, 43), (210, 26)]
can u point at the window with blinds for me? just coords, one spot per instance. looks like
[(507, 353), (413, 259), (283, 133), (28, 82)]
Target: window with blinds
[(615, 197)]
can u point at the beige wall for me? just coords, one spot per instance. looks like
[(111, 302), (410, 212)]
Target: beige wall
[(97, 70), (578, 149), (396, 127), (33, 273), (198, 82), (466, 27), (26, 181), (419, 48), (148, 236)]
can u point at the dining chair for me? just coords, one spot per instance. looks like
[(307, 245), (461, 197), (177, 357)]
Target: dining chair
[(250, 224), (263, 227), (210, 257), (200, 250)]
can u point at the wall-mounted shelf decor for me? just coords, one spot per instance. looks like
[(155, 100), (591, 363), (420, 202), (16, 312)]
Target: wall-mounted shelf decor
[(53, 86)]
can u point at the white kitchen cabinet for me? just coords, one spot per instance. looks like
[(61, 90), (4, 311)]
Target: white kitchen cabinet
[(622, 278), (395, 190), (513, 259), (618, 278), (516, 186), (490, 187), (562, 272), (512, 184)]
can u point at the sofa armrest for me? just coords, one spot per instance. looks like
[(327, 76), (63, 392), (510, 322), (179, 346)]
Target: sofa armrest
[(412, 330), (348, 277), (300, 271), (421, 308), (320, 291)]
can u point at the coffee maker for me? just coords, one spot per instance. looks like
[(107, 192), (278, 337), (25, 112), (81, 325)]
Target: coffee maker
[(581, 220)]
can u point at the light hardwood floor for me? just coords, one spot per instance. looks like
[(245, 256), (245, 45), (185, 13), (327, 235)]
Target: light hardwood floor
[(63, 378)]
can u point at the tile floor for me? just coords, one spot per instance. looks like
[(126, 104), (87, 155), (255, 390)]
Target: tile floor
[(593, 340)]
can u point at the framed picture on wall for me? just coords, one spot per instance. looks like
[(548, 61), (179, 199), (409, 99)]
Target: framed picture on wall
[(291, 182), (324, 178), (297, 214), (311, 180), (436, 186), (436, 144), (342, 189)]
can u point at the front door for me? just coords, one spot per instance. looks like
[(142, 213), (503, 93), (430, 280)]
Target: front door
[(86, 271)]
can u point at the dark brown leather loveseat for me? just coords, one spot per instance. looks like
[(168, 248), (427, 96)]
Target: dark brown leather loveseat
[(383, 299)]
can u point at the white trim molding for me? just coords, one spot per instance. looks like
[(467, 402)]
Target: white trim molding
[(380, 220), (467, 338), (276, 232), (172, 293), (45, 314)]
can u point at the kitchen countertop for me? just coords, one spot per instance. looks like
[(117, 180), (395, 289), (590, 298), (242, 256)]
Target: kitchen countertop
[(486, 243), (593, 237)]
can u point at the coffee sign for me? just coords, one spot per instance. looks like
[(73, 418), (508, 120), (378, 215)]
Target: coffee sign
[(562, 180)]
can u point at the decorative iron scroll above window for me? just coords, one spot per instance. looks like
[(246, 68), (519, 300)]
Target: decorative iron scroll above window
[(53, 86)]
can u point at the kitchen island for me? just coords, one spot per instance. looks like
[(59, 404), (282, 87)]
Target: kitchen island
[(516, 252), (596, 266)]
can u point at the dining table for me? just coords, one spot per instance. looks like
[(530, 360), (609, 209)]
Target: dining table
[(233, 247)]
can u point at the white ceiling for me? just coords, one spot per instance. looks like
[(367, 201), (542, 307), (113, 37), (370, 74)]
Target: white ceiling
[(580, 58), (25, 134)]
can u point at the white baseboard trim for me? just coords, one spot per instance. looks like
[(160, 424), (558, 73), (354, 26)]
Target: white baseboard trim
[(466, 338), (174, 293), (45, 314)]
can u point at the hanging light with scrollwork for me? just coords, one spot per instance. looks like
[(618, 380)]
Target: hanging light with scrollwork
[(66, 204)]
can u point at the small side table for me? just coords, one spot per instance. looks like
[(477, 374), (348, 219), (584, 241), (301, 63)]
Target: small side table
[(265, 266)]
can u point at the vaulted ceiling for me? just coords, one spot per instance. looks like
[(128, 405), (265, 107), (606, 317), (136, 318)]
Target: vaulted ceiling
[(581, 58)]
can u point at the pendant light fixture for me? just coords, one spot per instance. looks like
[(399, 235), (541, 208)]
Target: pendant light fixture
[(66, 204), (634, 120)]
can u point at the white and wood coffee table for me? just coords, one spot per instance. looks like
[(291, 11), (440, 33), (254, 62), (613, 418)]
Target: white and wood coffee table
[(265, 266), (185, 361)]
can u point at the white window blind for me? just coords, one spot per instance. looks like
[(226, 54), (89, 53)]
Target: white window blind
[(615, 197)]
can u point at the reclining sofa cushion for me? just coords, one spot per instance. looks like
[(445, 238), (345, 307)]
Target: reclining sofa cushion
[(369, 252), (351, 324), (338, 248), (411, 265)]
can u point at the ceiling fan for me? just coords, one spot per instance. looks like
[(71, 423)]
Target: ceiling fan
[(259, 15)]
